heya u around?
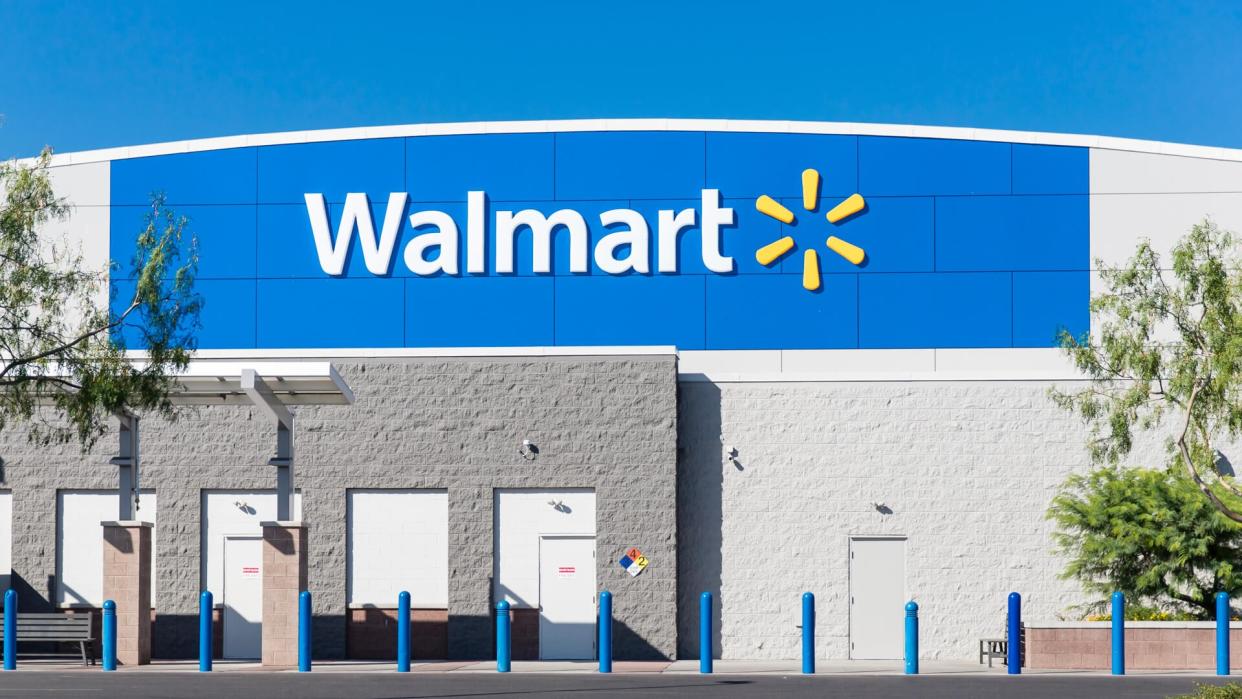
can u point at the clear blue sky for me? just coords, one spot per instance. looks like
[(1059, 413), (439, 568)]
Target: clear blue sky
[(94, 74)]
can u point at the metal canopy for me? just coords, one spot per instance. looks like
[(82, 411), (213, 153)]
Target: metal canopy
[(287, 383), (271, 387)]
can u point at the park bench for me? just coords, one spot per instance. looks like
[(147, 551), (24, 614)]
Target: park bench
[(992, 648), (55, 627)]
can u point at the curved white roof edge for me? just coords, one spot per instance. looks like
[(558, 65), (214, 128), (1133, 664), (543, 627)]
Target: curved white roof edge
[(809, 127)]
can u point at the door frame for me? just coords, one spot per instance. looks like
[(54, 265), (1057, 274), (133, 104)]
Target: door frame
[(594, 586), (849, 574), (224, 585)]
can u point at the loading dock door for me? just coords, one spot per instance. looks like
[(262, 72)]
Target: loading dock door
[(242, 613), (877, 597), (566, 597)]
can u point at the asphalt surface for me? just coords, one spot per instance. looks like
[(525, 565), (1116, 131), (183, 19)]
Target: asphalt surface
[(391, 686)]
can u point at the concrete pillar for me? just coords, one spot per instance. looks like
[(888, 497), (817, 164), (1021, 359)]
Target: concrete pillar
[(284, 577), (127, 581)]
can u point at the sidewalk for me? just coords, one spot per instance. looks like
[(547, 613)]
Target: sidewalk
[(678, 667)]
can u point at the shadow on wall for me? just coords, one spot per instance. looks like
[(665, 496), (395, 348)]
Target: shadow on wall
[(474, 637), (175, 637), (700, 511), (30, 599), (627, 644), (471, 636)]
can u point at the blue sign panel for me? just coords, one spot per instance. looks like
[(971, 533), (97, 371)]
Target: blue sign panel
[(699, 240)]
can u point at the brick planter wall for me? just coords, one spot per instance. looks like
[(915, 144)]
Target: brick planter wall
[(1150, 645)]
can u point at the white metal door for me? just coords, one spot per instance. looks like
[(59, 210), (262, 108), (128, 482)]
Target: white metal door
[(877, 597), (566, 597), (243, 597)]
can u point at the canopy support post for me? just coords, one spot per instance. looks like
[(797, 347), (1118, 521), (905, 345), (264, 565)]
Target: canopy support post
[(263, 398), (126, 462)]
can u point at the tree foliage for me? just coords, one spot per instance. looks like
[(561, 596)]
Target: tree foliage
[(64, 370), (1167, 355), (1150, 534)]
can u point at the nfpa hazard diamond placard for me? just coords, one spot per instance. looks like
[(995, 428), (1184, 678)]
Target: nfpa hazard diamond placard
[(634, 562)]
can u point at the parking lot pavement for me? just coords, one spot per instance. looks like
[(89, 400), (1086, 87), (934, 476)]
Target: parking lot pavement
[(375, 685)]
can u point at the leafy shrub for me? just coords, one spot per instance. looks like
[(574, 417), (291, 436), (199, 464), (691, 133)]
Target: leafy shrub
[(1151, 535)]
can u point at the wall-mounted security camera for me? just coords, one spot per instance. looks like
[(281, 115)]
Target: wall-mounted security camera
[(528, 450), (1221, 463)]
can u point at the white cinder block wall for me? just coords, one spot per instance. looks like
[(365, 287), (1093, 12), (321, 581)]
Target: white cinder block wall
[(967, 469)]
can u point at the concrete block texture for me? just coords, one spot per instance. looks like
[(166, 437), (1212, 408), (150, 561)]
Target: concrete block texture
[(607, 423), (965, 470), (285, 576), (127, 582), (1150, 648)]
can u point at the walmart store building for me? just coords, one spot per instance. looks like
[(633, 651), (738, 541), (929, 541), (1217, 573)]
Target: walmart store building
[(772, 356)]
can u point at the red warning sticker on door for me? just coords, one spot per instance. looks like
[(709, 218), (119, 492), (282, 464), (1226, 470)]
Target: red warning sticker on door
[(250, 571), (566, 571)]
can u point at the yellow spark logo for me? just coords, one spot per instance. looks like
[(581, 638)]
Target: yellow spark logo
[(777, 249)]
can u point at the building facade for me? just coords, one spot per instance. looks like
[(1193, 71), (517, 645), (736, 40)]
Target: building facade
[(657, 357)]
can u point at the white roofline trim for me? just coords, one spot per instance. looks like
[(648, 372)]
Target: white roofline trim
[(299, 355), (721, 125), (993, 376), (716, 366)]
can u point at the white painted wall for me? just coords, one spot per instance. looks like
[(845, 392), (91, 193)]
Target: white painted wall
[(520, 518), (397, 540), (79, 543), (231, 513), (1159, 197), (86, 189), (6, 539)]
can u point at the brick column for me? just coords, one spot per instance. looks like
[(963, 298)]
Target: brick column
[(284, 577), (127, 581)]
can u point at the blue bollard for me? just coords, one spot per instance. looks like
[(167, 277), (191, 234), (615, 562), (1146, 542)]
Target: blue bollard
[(205, 606), (912, 638), (503, 659), (10, 630), (808, 633), (705, 633), (304, 631), (1119, 633), (605, 631), (1013, 640), (403, 632), (109, 635), (1222, 633)]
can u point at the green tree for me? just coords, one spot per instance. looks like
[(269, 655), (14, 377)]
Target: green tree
[(64, 370), (1150, 534), (1167, 355)]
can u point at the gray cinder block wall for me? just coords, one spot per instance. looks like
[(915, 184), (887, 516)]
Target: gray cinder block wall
[(607, 423)]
